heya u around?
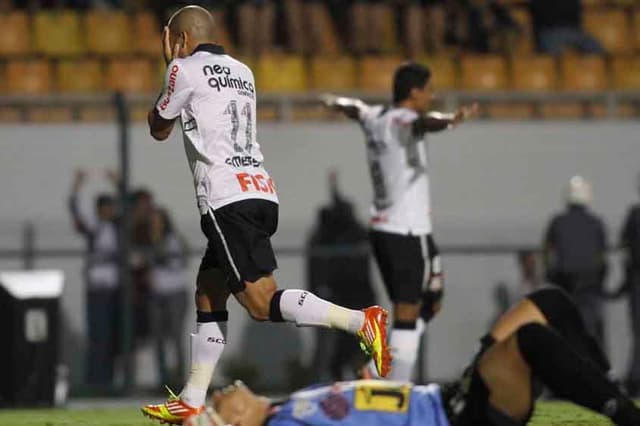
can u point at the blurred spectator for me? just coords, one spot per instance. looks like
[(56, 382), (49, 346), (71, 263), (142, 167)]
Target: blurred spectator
[(102, 282), (423, 25), (168, 298), (256, 25), (558, 26), (304, 28), (338, 269), (630, 242), (490, 26), (367, 25), (141, 256), (575, 248)]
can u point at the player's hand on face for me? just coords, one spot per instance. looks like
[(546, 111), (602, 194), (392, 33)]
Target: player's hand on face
[(170, 52), (466, 112)]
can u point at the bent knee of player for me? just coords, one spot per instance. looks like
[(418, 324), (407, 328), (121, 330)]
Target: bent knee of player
[(257, 298), (406, 312)]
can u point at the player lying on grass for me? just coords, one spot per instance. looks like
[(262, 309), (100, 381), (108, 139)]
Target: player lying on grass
[(542, 340), (401, 229)]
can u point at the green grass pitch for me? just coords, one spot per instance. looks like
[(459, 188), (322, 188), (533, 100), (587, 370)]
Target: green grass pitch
[(547, 414)]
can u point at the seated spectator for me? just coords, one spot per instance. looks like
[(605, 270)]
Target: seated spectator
[(558, 26)]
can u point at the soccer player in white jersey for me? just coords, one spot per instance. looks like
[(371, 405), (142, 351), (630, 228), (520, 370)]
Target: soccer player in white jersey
[(214, 98), (401, 228)]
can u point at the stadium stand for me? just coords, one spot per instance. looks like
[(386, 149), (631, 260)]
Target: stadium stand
[(583, 73), (28, 76), (483, 72), (375, 72), (108, 32), (58, 33), (625, 72), (90, 51), (610, 27), (332, 73), (280, 73), (131, 75), (533, 73), (147, 34), (443, 72), (79, 76), (16, 39)]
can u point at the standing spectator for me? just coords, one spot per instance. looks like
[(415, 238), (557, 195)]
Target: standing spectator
[(423, 24), (558, 26), (575, 248), (141, 255), (338, 269), (630, 242), (367, 25), (256, 25), (103, 287), (168, 296), (491, 28), (304, 25)]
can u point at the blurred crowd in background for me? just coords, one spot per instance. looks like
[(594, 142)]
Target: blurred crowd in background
[(374, 26), (159, 281)]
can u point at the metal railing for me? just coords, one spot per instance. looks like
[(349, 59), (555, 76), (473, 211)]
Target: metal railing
[(284, 104)]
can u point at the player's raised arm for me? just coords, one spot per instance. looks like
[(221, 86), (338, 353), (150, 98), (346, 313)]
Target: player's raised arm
[(350, 107), (438, 121), (176, 91)]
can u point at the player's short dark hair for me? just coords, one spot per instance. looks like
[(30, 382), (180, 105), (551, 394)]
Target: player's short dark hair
[(410, 75)]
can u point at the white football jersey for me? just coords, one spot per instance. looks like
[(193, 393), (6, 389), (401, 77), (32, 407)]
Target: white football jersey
[(398, 166), (214, 96)]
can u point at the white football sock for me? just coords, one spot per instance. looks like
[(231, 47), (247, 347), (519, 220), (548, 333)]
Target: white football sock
[(206, 348), (404, 349), (306, 309)]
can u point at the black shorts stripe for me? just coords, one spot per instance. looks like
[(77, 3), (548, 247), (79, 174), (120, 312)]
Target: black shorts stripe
[(226, 246)]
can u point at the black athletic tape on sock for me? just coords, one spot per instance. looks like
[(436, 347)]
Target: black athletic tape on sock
[(404, 325), (217, 316), (275, 314)]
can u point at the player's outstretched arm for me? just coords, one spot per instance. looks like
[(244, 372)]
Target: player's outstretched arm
[(350, 107), (438, 121)]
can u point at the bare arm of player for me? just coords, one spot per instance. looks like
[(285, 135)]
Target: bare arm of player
[(438, 121), (159, 127), (350, 107)]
